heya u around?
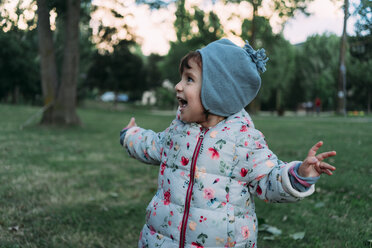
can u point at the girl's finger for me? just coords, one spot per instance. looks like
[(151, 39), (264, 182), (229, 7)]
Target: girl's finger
[(315, 148), (326, 168), (325, 155), (324, 165), (328, 172), (132, 122)]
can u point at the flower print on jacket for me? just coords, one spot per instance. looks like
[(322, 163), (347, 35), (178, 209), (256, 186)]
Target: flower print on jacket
[(243, 172), (259, 190), (184, 161), (162, 168), (213, 134), (167, 196), (258, 145), (214, 153), (192, 225), (245, 232), (209, 193), (244, 128)]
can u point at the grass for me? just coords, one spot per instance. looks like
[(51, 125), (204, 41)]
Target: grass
[(76, 187)]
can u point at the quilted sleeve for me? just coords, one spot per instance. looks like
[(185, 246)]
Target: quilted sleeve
[(144, 145), (266, 176)]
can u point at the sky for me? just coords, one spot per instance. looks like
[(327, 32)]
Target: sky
[(155, 28), (326, 18)]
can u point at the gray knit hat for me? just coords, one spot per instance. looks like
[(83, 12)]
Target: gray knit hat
[(231, 77)]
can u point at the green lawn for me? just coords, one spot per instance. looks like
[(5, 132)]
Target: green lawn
[(76, 187)]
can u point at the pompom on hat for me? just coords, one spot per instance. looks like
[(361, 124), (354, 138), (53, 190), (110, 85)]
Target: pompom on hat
[(230, 75)]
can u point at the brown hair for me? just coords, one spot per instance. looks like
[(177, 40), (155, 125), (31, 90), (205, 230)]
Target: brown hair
[(185, 60)]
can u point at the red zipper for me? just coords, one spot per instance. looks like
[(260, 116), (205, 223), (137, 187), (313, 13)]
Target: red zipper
[(189, 189)]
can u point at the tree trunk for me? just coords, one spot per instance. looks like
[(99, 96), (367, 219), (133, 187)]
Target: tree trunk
[(49, 78), (255, 105), (341, 106), (15, 95), (252, 40), (61, 98), (65, 107), (279, 104), (369, 101)]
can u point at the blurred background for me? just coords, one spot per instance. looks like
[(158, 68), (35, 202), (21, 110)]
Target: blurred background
[(83, 68), (62, 54), (59, 54)]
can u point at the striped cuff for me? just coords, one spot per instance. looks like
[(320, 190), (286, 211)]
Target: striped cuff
[(287, 185), (298, 182), (122, 135)]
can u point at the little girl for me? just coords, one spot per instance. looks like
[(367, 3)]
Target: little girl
[(212, 159)]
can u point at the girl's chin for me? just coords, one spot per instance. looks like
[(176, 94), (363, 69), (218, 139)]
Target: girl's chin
[(185, 118), (191, 119)]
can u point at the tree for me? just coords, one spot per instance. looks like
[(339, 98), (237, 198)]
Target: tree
[(18, 67), (316, 69), (118, 71), (19, 61), (280, 67), (193, 32), (252, 28), (153, 71), (359, 72), (341, 106), (283, 9), (59, 94), (360, 86), (280, 72), (363, 25)]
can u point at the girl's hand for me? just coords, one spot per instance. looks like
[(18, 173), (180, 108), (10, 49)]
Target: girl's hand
[(313, 165), (132, 123)]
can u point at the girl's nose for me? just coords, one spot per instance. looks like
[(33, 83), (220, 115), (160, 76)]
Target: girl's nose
[(178, 87)]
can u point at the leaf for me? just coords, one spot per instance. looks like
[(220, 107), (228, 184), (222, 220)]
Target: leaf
[(319, 205), (220, 143), (368, 242), (113, 194), (13, 228), (270, 229), (269, 237), (285, 217), (297, 236)]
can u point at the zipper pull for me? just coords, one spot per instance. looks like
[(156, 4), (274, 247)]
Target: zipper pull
[(203, 131)]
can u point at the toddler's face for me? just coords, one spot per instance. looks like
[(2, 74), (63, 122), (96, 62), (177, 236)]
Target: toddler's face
[(188, 94)]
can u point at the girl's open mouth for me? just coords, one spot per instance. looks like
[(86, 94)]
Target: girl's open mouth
[(182, 103)]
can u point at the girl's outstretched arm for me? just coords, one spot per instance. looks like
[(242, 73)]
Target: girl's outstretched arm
[(313, 165), (144, 145)]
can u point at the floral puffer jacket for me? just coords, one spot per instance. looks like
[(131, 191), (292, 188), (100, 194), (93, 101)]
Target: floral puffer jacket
[(207, 180)]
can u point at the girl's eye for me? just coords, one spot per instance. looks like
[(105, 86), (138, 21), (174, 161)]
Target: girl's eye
[(189, 79)]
